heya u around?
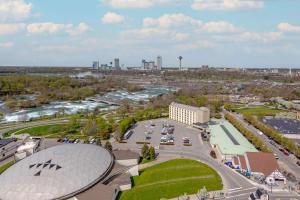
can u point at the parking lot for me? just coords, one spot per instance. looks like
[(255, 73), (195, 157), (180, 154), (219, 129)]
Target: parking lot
[(151, 131)]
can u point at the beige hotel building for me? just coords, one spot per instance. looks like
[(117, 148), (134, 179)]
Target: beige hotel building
[(188, 114)]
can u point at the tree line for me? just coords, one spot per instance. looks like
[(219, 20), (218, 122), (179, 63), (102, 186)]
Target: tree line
[(256, 141)]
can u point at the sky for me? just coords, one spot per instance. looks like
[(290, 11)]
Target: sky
[(219, 33)]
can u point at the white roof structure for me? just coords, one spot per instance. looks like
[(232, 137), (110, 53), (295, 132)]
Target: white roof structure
[(59, 172), (191, 108), (26, 146)]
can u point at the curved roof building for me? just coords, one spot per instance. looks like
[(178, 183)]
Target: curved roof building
[(59, 172)]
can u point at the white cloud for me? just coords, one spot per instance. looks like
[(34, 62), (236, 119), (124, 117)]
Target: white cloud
[(14, 10), (112, 18), (74, 31), (46, 27), (220, 27), (226, 4), (168, 20), (247, 36), (138, 3), (6, 45), (10, 28), (286, 27), (263, 37), (51, 28)]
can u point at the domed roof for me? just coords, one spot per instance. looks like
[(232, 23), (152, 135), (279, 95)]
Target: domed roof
[(59, 172)]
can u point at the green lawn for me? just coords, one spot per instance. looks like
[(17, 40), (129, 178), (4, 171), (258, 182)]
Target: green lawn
[(259, 111), (172, 179), (6, 166), (38, 130)]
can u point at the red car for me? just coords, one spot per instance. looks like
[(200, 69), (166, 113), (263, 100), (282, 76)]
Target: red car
[(284, 151)]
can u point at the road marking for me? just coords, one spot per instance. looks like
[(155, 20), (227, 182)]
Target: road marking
[(242, 190), (238, 195), (232, 189)]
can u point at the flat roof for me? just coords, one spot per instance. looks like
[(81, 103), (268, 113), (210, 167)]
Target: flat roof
[(5, 141), (229, 140), (188, 107), (285, 126)]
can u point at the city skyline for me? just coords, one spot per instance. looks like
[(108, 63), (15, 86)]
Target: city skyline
[(219, 33)]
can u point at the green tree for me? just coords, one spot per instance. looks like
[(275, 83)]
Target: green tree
[(145, 151), (98, 142), (201, 101), (108, 146), (74, 123), (152, 153)]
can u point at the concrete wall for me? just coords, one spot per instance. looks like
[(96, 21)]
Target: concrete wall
[(134, 171), (188, 116), (129, 162), (125, 187)]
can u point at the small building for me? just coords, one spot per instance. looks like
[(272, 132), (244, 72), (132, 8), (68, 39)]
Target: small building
[(8, 147), (26, 150), (188, 114), (259, 164), (259, 194), (228, 141), (298, 116)]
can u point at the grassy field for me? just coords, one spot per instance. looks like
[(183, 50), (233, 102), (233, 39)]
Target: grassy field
[(259, 111), (38, 130), (172, 179), (6, 166)]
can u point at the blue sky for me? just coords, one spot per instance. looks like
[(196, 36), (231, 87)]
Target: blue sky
[(237, 33)]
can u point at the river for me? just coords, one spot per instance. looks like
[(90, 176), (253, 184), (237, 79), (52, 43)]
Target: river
[(70, 107)]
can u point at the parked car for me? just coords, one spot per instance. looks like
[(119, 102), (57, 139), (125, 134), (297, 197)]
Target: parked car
[(148, 137), (298, 163), (92, 141), (77, 141), (275, 155), (186, 140), (65, 140), (60, 140)]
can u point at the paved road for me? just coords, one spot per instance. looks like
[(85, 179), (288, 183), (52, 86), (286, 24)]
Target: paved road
[(289, 161)]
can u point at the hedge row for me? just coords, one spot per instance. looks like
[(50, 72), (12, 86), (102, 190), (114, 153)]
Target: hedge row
[(256, 141), (274, 134)]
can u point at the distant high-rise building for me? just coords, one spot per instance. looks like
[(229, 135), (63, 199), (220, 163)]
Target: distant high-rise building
[(159, 62), (148, 65), (117, 63), (95, 64)]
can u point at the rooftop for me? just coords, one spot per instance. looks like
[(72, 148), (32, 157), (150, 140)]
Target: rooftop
[(192, 108), (59, 172), (267, 167), (229, 140), (5, 141), (285, 126)]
